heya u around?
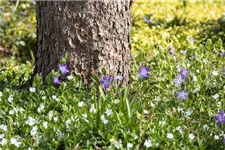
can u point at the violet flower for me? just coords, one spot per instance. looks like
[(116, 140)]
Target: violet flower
[(63, 69), (106, 81), (143, 72), (220, 118), (182, 95), (56, 80)]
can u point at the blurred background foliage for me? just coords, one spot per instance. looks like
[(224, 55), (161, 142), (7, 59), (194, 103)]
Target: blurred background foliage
[(170, 22)]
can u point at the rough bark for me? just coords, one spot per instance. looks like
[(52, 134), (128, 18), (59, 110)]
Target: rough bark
[(94, 34)]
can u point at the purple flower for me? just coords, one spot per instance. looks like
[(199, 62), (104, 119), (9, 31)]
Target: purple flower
[(223, 140), (143, 72), (178, 80), (172, 50), (148, 19), (56, 80), (22, 12), (118, 78), (220, 118), (183, 73), (106, 81), (0, 10), (222, 54), (63, 68), (182, 95)]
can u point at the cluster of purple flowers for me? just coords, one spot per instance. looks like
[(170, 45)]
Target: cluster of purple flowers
[(148, 19), (143, 72), (220, 118), (64, 70), (178, 81)]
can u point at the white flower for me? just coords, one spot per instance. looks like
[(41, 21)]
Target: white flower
[(42, 92), (180, 109), (84, 115), (3, 127), (196, 90), (116, 101), (145, 112), (31, 121), (130, 145), (197, 70), (50, 114), (170, 135), (108, 112), (0, 94), (11, 112), (55, 119), (188, 65), (41, 107), (206, 127), (70, 77), (80, 104), (32, 89), (118, 145), (10, 98), (103, 119), (3, 142), (215, 73), (15, 142), (92, 109), (148, 143), (43, 97), (68, 122), (195, 78), (216, 96), (162, 123), (191, 136), (179, 129), (188, 112), (2, 136), (33, 131), (216, 137), (55, 98), (152, 105), (45, 125)]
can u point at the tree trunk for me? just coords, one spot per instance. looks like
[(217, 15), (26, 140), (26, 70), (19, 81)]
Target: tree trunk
[(94, 34)]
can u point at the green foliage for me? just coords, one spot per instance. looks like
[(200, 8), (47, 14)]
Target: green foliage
[(146, 114)]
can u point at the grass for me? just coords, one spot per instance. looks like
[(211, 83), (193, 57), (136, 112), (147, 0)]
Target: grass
[(147, 113)]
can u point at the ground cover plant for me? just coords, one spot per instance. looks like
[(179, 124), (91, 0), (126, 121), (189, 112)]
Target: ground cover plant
[(175, 99)]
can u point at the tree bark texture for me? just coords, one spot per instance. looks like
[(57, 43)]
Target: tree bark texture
[(94, 34)]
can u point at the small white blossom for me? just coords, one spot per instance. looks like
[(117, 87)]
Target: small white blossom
[(55, 119), (68, 122), (148, 143), (80, 104), (70, 77), (11, 112), (191, 136), (215, 73), (188, 65), (162, 123), (170, 135), (33, 131), (103, 119), (152, 105), (42, 92), (31, 121), (180, 109), (0, 94), (41, 107), (145, 112), (118, 144), (10, 98), (195, 78), (206, 127), (45, 125), (108, 112), (130, 145), (179, 129), (15, 142), (50, 114), (216, 96), (216, 137), (3, 127), (196, 90), (84, 115), (55, 98), (32, 89), (92, 109), (116, 101), (3, 142), (2, 136), (197, 70), (43, 97), (188, 112)]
